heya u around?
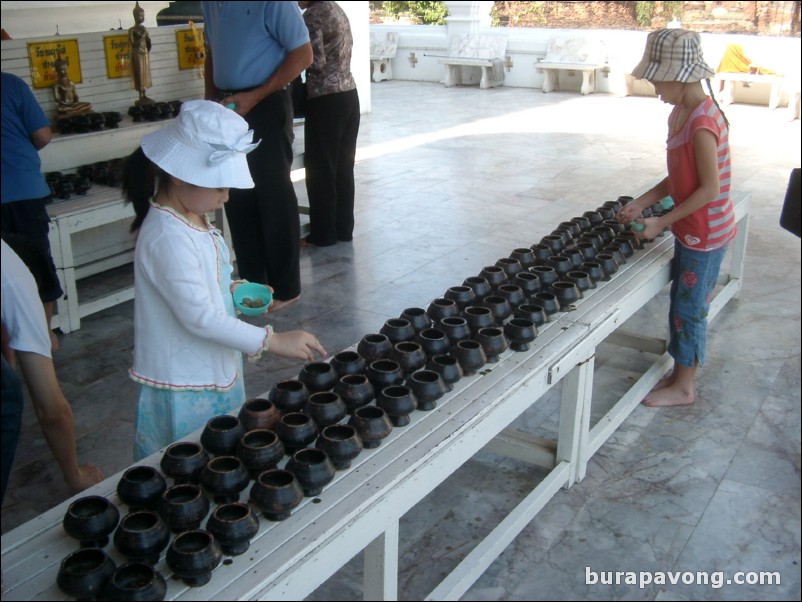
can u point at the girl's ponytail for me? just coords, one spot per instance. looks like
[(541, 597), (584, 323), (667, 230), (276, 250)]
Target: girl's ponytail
[(713, 96), (139, 183)]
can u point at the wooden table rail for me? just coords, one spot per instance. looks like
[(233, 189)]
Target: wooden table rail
[(361, 508)]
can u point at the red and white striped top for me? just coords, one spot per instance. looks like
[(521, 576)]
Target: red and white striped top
[(712, 226)]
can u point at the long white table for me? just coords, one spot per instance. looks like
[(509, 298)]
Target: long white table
[(361, 508)]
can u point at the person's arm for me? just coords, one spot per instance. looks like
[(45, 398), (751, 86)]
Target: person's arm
[(632, 210), (705, 147), (41, 138), (55, 417), (174, 264), (294, 63), (296, 344)]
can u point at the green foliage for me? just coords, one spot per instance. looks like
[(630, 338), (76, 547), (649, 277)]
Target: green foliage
[(673, 9), (643, 13), (428, 13), (534, 11)]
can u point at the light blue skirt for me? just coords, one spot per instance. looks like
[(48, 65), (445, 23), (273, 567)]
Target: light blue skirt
[(163, 416)]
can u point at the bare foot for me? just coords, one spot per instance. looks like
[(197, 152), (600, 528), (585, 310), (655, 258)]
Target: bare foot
[(671, 395), (664, 382), (278, 305)]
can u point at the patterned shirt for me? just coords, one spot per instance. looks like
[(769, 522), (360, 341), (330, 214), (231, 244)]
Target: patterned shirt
[(712, 226), (330, 35)]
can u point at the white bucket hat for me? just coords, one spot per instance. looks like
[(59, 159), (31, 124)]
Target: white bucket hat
[(673, 55), (205, 146)]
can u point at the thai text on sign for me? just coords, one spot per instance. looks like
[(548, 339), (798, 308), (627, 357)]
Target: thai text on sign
[(42, 58), (189, 43), (118, 56)]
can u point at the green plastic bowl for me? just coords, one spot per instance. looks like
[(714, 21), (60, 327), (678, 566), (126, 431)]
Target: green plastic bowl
[(254, 292)]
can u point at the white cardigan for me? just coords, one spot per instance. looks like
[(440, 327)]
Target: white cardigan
[(184, 337)]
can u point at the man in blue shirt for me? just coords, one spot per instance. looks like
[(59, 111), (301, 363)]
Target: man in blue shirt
[(24, 131), (254, 50)]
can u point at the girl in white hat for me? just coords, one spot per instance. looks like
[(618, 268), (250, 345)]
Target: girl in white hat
[(698, 180), (188, 344)]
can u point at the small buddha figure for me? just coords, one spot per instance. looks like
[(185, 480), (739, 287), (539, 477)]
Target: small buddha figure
[(140, 43), (65, 95)]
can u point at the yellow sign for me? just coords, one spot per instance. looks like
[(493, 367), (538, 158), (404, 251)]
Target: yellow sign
[(189, 43), (42, 58), (118, 56)]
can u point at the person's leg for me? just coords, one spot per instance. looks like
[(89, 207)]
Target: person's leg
[(345, 166), (278, 216), (29, 219), (692, 288), (322, 128), (242, 214), (680, 392), (26, 229), (11, 413), (668, 379)]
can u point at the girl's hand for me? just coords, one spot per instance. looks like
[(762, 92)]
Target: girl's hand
[(652, 228), (296, 344), (87, 475), (628, 213)]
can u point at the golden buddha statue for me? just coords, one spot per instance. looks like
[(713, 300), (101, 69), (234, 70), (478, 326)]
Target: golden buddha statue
[(139, 39), (64, 93)]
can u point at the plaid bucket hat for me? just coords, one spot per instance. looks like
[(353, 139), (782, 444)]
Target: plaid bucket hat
[(673, 55)]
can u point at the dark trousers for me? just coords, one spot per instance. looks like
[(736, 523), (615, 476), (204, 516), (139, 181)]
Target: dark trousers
[(330, 131), (11, 406), (25, 226), (264, 221)]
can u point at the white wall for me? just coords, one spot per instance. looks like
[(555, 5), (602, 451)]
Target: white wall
[(624, 49), (40, 19)]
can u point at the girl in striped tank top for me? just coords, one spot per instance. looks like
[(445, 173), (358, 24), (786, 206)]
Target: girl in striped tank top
[(698, 180)]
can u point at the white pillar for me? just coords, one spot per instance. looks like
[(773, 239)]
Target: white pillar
[(359, 17), (467, 16)]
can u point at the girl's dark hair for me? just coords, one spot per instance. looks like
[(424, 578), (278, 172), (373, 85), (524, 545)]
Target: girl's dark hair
[(713, 97), (141, 179)]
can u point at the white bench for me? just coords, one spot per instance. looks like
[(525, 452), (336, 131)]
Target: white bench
[(729, 79), (572, 54), (383, 49), (474, 50)]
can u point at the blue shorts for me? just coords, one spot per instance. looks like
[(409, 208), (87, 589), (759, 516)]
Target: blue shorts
[(693, 279)]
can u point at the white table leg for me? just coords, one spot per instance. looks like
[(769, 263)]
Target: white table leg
[(381, 566), (572, 440)]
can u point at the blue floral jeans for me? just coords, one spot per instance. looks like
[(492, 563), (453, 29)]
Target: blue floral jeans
[(693, 279)]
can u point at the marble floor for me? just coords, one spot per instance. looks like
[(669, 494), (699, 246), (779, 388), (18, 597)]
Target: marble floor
[(448, 181)]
